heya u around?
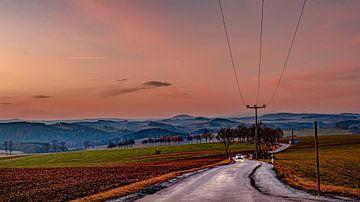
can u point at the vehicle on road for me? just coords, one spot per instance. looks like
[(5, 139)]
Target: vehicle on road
[(240, 157)]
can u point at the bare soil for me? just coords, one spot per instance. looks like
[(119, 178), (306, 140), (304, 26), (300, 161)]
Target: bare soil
[(63, 184)]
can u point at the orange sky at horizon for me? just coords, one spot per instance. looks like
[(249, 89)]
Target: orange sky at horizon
[(157, 58)]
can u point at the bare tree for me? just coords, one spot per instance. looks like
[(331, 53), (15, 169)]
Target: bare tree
[(10, 146), (227, 137), (6, 147), (190, 138), (211, 136), (206, 135), (198, 138)]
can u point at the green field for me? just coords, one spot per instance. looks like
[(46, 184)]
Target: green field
[(118, 156), (339, 164), (310, 131)]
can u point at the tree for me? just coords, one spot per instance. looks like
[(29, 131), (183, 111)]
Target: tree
[(6, 147), (227, 137), (87, 144), (205, 135), (145, 142), (46, 147), (189, 138), (211, 136), (111, 145), (10, 146), (63, 147), (55, 145), (243, 133)]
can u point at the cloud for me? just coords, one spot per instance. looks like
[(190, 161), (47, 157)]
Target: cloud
[(5, 103), (41, 96), (120, 80), (116, 92), (7, 97), (145, 86), (87, 57), (156, 84)]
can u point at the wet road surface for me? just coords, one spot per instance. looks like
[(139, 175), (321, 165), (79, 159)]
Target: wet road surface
[(241, 181)]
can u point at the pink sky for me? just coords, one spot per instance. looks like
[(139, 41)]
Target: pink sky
[(156, 58)]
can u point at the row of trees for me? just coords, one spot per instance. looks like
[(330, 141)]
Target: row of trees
[(126, 143), (9, 146), (208, 136), (267, 137), (53, 146), (35, 147), (163, 140)]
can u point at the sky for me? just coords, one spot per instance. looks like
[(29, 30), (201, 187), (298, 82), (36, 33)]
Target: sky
[(68, 59)]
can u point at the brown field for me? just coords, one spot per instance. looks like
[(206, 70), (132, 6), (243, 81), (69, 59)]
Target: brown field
[(67, 183)]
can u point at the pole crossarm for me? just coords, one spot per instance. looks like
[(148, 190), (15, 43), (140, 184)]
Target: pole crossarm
[(255, 106)]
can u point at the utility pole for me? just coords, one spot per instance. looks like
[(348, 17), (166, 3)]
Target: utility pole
[(255, 107), (292, 136), (317, 159)]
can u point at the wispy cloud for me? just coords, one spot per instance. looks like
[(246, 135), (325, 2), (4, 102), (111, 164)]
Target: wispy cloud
[(116, 92), (6, 97), (5, 103), (41, 96), (120, 80), (87, 57), (145, 86)]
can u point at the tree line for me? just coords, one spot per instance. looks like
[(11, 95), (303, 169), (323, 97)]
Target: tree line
[(126, 143), (34, 147), (267, 137), (163, 140)]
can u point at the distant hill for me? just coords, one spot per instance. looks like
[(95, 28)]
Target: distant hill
[(39, 132), (74, 133), (183, 116), (221, 122), (347, 124)]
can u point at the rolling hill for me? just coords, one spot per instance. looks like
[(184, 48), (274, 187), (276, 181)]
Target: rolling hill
[(100, 132)]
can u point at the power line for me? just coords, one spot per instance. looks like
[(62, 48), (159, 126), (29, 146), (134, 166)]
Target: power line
[(260, 51), (288, 54), (230, 52)]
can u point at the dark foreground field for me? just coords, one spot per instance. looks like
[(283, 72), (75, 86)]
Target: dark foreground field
[(74, 182), (73, 175), (339, 164)]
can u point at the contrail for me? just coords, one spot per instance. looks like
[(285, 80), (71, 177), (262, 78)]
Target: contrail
[(88, 57)]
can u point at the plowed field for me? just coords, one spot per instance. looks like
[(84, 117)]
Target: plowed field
[(66, 183)]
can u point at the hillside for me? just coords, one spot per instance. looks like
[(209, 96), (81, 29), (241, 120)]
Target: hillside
[(100, 132)]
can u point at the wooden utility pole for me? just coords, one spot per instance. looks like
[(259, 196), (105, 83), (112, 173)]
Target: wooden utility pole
[(292, 136), (255, 107), (317, 159)]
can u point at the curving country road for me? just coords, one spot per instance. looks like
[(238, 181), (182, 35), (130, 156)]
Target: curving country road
[(241, 181), (247, 180)]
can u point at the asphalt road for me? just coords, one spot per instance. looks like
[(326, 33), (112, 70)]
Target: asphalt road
[(234, 183), (247, 180)]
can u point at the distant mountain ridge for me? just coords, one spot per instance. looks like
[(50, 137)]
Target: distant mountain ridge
[(102, 130)]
